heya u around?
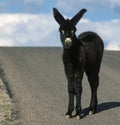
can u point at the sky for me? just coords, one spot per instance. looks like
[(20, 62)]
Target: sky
[(31, 22)]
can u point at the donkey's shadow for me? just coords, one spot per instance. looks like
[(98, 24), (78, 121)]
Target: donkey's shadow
[(102, 107)]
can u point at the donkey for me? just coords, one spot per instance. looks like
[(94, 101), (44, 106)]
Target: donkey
[(80, 54)]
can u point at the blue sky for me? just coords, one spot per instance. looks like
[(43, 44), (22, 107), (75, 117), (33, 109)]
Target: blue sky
[(97, 10), (31, 23)]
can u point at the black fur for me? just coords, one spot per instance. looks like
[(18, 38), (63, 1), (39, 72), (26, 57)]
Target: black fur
[(80, 54)]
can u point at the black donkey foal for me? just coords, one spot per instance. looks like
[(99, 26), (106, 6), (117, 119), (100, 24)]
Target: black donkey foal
[(79, 54)]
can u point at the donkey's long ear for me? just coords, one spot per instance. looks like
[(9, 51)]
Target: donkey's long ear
[(58, 17), (78, 16)]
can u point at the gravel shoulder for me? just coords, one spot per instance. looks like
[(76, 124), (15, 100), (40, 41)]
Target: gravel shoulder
[(6, 105)]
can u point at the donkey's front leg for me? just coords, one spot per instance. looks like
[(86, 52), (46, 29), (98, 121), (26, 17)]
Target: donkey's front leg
[(71, 100), (78, 92), (70, 77)]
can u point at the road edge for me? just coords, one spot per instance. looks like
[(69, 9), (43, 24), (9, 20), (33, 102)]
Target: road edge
[(8, 109)]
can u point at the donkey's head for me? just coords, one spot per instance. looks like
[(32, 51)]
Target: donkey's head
[(67, 27)]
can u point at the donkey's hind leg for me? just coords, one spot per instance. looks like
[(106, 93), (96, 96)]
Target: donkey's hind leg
[(93, 79)]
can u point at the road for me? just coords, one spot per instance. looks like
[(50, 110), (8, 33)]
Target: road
[(39, 87)]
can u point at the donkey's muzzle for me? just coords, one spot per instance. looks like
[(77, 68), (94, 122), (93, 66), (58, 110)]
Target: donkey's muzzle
[(68, 43)]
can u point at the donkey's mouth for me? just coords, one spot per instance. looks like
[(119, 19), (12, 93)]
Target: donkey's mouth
[(67, 45)]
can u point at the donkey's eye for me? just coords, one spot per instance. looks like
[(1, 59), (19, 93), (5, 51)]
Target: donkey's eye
[(72, 31), (62, 31)]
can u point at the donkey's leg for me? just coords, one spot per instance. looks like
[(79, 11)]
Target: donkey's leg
[(78, 92), (94, 83), (70, 77), (71, 100)]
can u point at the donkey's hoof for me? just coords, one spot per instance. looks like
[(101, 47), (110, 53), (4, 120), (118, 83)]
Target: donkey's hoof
[(78, 117), (67, 116), (91, 112)]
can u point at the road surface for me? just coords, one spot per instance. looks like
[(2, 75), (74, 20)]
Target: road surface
[(38, 84)]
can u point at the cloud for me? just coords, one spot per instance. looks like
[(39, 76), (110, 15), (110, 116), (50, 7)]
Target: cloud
[(109, 3), (108, 30), (77, 4), (113, 46), (42, 30), (28, 30), (91, 5)]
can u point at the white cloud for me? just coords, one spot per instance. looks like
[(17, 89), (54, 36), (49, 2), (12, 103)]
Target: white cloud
[(108, 30), (42, 30), (113, 46), (91, 5), (75, 5), (6, 42), (28, 30)]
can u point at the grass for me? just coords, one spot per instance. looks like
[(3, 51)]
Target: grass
[(5, 105)]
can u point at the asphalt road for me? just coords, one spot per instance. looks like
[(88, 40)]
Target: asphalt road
[(36, 78)]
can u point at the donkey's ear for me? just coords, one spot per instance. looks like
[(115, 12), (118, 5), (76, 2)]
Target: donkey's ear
[(78, 16), (58, 17)]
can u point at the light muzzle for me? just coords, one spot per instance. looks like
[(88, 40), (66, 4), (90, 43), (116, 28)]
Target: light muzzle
[(68, 42)]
